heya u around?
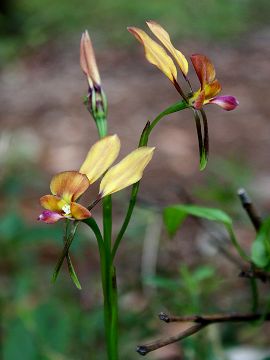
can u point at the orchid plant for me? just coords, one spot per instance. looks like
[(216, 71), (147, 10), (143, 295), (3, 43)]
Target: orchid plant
[(68, 187)]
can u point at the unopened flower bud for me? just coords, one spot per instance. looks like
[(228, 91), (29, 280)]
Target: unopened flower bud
[(88, 61), (96, 101)]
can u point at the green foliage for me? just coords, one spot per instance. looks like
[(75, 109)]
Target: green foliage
[(190, 289), (31, 23), (191, 292), (176, 214), (260, 251), (221, 182)]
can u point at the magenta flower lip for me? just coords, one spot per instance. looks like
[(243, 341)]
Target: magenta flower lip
[(227, 102), (49, 217)]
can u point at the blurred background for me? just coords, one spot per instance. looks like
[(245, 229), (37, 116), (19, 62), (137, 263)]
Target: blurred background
[(45, 129)]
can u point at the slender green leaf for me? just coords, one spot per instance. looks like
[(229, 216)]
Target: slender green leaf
[(175, 215), (72, 273), (260, 251), (173, 219), (64, 252)]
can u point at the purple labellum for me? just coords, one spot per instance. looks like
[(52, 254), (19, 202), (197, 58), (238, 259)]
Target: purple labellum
[(49, 217)]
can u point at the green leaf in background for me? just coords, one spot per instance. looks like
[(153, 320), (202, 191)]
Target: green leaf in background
[(53, 322), (260, 251), (175, 215), (19, 342)]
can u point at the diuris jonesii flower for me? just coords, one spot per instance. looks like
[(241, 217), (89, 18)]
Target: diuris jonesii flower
[(68, 186), (210, 87), (157, 55)]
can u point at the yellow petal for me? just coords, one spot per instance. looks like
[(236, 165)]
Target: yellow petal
[(51, 202), (100, 157), (127, 172), (164, 38), (79, 212), (155, 53), (212, 89), (88, 60), (69, 185)]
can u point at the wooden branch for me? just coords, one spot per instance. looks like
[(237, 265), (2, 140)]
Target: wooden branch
[(250, 209), (199, 322), (250, 273), (145, 349), (214, 318)]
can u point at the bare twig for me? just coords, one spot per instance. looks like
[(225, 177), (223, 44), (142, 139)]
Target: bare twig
[(145, 349), (199, 322), (250, 209), (255, 273), (251, 272), (215, 318)]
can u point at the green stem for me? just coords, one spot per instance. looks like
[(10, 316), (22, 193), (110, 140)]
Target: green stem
[(110, 275), (132, 202), (255, 294), (101, 123), (109, 288), (105, 285), (171, 109), (236, 244), (114, 320), (135, 188), (107, 222)]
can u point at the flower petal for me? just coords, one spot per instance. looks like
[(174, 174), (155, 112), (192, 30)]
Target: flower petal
[(51, 202), (198, 99), (227, 102), (79, 212), (88, 60), (204, 68), (155, 53), (69, 185), (164, 37), (100, 157), (127, 172), (50, 217), (212, 89)]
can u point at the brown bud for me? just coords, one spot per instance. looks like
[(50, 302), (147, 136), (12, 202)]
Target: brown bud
[(88, 60)]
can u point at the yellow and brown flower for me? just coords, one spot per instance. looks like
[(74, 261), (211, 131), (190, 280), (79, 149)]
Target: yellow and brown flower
[(67, 187)]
